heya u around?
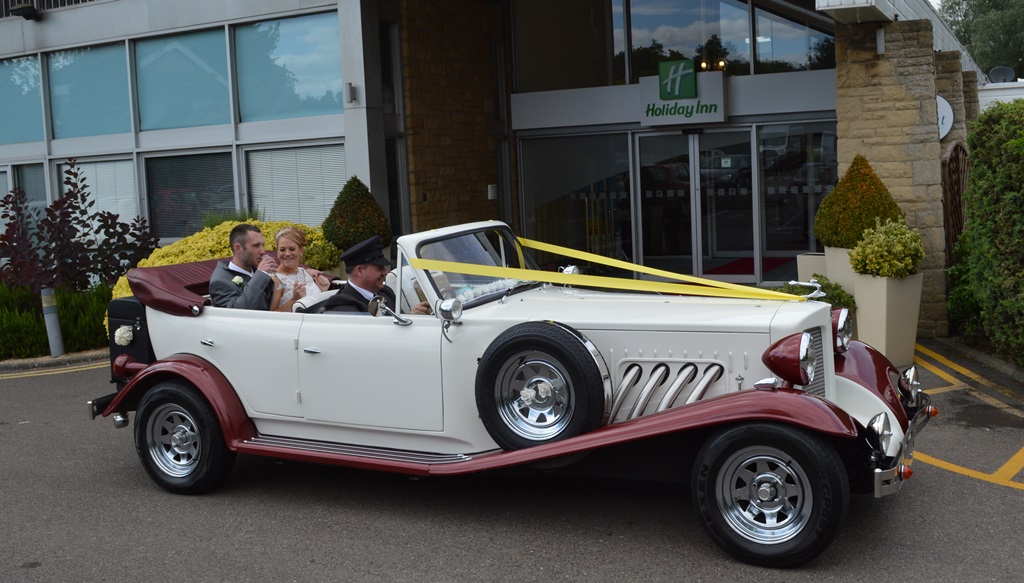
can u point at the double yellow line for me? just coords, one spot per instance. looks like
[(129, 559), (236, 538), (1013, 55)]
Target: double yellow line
[(39, 372)]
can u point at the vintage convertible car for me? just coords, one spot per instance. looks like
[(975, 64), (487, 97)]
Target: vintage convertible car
[(761, 399)]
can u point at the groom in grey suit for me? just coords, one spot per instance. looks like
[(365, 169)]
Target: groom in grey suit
[(244, 282)]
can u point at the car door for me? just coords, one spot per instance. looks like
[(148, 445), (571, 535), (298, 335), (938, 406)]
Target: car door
[(356, 369), (256, 351)]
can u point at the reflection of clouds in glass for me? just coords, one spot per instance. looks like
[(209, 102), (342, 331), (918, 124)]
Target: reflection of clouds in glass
[(657, 8), (686, 39), (312, 54), (24, 73)]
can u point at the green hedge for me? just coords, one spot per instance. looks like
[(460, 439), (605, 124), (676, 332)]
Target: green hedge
[(23, 330), (987, 283)]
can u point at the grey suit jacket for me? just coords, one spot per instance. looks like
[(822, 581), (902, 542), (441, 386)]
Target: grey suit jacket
[(254, 293)]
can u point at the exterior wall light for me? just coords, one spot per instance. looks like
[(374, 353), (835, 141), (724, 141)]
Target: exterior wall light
[(26, 11)]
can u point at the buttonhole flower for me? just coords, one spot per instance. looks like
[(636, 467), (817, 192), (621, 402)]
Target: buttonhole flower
[(237, 280)]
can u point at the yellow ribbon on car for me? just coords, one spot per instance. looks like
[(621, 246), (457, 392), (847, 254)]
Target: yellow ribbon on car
[(696, 286)]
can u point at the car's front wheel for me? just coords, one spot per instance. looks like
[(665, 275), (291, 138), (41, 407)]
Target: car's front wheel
[(179, 439), (770, 495)]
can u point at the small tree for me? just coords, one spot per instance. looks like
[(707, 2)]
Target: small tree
[(356, 216), (18, 245), (852, 206)]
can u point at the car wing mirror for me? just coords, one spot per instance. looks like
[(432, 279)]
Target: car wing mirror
[(378, 307)]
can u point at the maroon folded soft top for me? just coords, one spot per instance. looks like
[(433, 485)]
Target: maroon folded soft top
[(175, 289)]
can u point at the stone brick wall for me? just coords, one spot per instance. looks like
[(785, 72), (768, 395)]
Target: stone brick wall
[(972, 107), (949, 83), (449, 95), (885, 107)]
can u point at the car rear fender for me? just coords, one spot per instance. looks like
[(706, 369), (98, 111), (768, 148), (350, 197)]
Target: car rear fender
[(234, 422)]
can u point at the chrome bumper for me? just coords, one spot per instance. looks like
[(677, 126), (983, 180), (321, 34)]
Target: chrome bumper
[(890, 480)]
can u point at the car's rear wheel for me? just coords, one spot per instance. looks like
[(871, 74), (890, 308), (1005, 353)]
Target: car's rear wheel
[(770, 495), (537, 383), (179, 439)]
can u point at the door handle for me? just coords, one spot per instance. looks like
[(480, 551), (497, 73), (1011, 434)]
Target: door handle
[(311, 350), (206, 342)]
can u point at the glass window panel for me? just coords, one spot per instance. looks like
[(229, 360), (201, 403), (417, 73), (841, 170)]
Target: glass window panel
[(111, 185), (183, 81), (712, 32), (183, 189), (21, 96), (89, 92), (665, 203), (799, 167), (31, 178), (289, 68), (784, 44), (298, 184), (576, 194), (569, 44), (4, 187)]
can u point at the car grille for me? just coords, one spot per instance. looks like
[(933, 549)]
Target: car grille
[(817, 387)]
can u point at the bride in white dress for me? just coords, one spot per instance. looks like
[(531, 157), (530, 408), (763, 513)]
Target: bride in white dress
[(292, 282)]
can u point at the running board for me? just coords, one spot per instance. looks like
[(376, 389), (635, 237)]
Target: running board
[(359, 451)]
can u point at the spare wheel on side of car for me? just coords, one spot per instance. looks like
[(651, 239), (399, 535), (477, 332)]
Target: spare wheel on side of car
[(540, 382)]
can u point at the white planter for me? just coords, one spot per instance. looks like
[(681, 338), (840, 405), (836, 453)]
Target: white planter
[(887, 311), (837, 264), (807, 264)]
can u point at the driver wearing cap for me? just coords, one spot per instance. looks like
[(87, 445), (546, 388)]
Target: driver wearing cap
[(366, 267)]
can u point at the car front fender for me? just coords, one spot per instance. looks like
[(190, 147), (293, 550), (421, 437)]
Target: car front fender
[(234, 422)]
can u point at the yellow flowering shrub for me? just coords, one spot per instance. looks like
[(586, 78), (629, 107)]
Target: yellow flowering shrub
[(852, 206), (212, 243), (891, 249)]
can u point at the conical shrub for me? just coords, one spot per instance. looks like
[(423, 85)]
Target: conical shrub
[(857, 200), (356, 216)]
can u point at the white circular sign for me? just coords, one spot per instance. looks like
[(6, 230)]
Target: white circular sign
[(945, 116)]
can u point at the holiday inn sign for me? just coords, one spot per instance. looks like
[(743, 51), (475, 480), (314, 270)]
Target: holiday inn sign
[(675, 96)]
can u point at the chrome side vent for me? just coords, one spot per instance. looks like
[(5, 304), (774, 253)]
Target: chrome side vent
[(817, 386)]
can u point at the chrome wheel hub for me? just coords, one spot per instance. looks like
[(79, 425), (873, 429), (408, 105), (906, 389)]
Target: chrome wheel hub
[(533, 395), (764, 495), (174, 442)]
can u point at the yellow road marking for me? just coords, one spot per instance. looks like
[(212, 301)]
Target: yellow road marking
[(994, 478), (953, 381), (53, 371), (967, 373), (1010, 468)]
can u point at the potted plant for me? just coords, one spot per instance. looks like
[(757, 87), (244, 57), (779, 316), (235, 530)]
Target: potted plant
[(887, 288), (858, 199)]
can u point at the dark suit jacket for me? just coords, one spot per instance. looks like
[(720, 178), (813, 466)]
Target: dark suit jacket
[(255, 292), (348, 299)]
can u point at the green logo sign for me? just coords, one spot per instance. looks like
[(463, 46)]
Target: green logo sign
[(677, 79)]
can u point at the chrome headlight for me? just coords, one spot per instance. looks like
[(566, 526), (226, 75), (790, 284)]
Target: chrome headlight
[(910, 387), (879, 433), (808, 358), (792, 359), (842, 329)]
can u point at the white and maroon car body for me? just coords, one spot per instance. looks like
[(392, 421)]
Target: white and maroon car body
[(754, 390)]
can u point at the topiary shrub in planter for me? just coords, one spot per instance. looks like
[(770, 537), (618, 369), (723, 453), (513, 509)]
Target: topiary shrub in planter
[(888, 288), (852, 206), (356, 216), (889, 249)]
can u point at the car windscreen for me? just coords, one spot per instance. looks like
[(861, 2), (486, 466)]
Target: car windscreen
[(489, 248)]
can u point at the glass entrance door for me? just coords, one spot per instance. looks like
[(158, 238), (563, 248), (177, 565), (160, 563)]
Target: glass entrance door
[(726, 206), (666, 202), (696, 204)]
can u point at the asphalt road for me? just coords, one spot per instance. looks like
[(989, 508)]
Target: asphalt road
[(76, 505)]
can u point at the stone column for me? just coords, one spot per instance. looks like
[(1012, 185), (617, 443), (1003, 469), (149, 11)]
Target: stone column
[(886, 110)]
